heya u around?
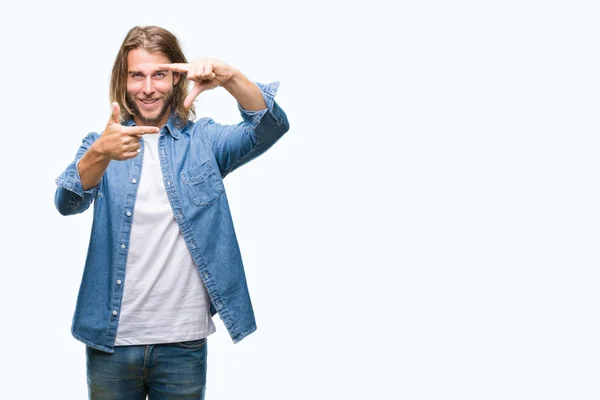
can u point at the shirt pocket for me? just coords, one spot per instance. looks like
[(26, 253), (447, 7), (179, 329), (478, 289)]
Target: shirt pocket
[(203, 185)]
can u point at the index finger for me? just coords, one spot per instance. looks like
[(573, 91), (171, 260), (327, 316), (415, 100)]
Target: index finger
[(176, 67), (140, 130)]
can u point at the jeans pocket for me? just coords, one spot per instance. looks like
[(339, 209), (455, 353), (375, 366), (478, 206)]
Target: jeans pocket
[(191, 344)]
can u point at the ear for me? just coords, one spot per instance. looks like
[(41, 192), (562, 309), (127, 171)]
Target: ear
[(176, 77)]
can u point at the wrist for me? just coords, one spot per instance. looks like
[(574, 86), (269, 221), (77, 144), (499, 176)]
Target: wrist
[(233, 81), (98, 151)]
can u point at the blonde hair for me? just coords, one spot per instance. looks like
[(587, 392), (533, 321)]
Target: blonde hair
[(153, 39)]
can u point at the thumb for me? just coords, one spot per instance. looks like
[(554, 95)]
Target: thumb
[(115, 115), (194, 92)]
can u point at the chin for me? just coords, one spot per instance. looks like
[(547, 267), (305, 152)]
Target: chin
[(151, 118)]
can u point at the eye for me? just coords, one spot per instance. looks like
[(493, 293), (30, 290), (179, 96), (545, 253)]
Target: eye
[(160, 74), (136, 75)]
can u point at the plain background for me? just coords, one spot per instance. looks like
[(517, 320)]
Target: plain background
[(427, 229)]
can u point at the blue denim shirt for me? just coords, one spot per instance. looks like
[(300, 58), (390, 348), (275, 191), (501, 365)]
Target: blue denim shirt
[(194, 161)]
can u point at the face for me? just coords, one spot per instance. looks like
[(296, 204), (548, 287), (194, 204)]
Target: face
[(149, 90)]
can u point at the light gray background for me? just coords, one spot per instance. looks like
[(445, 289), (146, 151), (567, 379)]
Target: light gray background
[(428, 228)]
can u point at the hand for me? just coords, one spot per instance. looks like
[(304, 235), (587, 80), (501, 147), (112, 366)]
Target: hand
[(119, 142), (206, 73)]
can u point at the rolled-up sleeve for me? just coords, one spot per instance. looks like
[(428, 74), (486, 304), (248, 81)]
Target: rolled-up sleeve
[(235, 145), (70, 198)]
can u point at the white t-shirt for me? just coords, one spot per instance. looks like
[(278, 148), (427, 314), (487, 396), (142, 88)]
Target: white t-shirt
[(164, 299)]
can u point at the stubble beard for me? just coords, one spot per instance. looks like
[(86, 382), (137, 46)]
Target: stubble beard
[(151, 119)]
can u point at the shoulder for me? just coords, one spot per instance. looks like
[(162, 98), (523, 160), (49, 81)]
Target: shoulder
[(202, 126), (91, 137), (204, 122)]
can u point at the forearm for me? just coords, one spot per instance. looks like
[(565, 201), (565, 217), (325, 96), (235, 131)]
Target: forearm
[(92, 166), (235, 145), (245, 92)]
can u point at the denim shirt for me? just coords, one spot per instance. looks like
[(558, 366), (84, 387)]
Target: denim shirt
[(194, 160)]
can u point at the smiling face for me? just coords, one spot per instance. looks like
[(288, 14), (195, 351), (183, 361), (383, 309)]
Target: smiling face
[(149, 90)]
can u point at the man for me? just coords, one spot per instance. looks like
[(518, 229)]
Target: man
[(163, 257)]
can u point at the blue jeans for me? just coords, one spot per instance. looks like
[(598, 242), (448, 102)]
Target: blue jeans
[(161, 371)]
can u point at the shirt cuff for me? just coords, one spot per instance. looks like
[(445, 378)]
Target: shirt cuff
[(268, 91), (71, 181)]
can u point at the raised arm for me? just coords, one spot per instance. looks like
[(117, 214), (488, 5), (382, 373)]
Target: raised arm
[(117, 142), (78, 184), (264, 122), (208, 73)]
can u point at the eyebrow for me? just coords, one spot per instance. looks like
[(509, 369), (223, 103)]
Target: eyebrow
[(155, 72)]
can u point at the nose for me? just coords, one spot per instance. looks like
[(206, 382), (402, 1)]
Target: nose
[(148, 86)]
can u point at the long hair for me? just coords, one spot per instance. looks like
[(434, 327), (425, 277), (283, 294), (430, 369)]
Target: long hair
[(152, 39)]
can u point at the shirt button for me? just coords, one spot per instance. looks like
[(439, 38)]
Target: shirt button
[(168, 183), (134, 180), (128, 213), (206, 275), (114, 312), (122, 246), (118, 281)]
